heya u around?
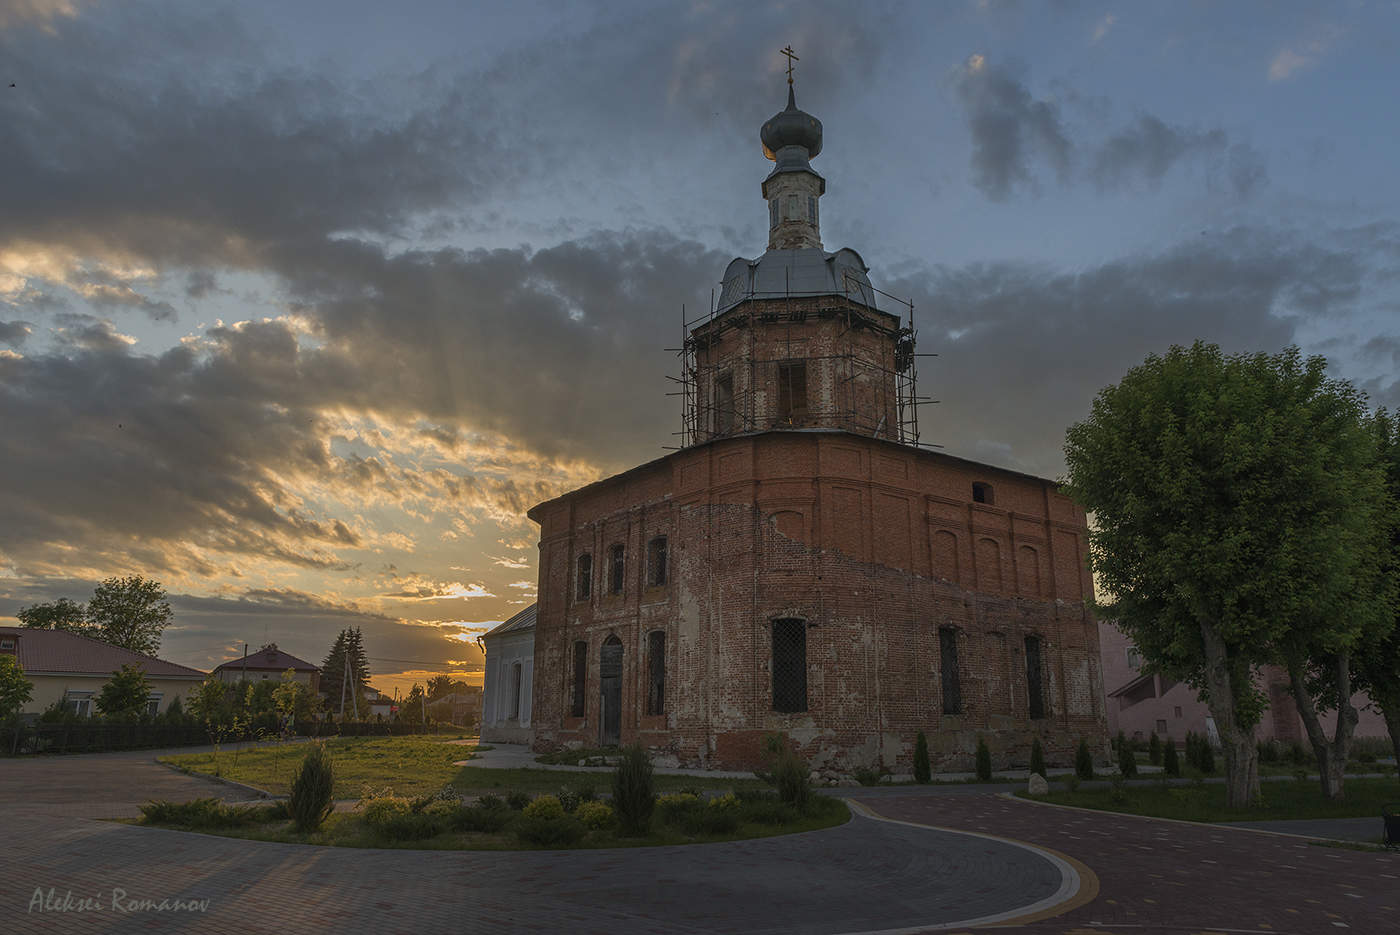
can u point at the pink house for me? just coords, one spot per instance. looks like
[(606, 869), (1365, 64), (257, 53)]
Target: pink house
[(1140, 704)]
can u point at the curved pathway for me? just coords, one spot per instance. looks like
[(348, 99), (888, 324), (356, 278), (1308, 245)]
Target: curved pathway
[(867, 875)]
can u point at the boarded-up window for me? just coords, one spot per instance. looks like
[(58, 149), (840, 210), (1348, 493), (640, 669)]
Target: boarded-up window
[(1028, 571), (656, 561), (1035, 679), (585, 577), (615, 573), (789, 665), (580, 676), (952, 682), (792, 392), (656, 672), (724, 404)]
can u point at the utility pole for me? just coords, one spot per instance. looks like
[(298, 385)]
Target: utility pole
[(245, 662)]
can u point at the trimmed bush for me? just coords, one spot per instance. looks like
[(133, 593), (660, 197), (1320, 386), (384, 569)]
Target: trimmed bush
[(1127, 761), (569, 799), (769, 812), (378, 810), (518, 800), (491, 801), (1170, 764), (922, 772), (1154, 749), (594, 815), (1038, 758), (984, 760), (1083, 761), (564, 831), (411, 826), (634, 791), (546, 806), (311, 802), (478, 818), (202, 813)]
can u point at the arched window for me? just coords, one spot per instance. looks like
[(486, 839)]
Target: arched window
[(982, 493), (656, 561), (585, 577), (773, 213), (616, 572)]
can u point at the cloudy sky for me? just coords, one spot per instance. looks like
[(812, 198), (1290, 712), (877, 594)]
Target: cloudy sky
[(302, 305)]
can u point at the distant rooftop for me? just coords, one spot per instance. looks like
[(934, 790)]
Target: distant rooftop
[(270, 657), (42, 652)]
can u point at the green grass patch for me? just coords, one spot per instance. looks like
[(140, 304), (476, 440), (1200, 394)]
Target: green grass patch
[(412, 766), (396, 823), (1206, 801), (567, 757)]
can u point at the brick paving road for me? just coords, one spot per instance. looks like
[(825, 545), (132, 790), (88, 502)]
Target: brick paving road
[(861, 876), (1170, 878)]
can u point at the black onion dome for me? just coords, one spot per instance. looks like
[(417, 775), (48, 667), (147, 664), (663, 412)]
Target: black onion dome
[(791, 127)]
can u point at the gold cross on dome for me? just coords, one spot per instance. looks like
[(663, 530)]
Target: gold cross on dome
[(791, 57)]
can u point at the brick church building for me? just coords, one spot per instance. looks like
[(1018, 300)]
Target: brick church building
[(801, 565)]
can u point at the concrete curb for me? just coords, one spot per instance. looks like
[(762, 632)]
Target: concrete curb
[(259, 793)]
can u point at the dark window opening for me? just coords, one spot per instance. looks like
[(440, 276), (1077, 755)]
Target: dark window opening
[(792, 392), (656, 672), (656, 561), (982, 493), (724, 404), (952, 684), (812, 209), (789, 665), (1035, 683), (773, 213), (618, 563), (580, 676), (585, 576), (516, 681)]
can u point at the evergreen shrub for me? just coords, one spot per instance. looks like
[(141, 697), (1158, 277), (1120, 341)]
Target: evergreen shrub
[(1083, 761), (311, 800), (984, 760), (634, 791), (1038, 758), (922, 772)]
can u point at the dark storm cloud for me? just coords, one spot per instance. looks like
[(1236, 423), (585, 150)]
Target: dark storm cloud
[(1010, 129), (167, 135), (14, 333), (1058, 337), (1014, 134)]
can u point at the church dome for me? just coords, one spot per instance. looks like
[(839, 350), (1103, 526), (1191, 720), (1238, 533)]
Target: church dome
[(791, 127)]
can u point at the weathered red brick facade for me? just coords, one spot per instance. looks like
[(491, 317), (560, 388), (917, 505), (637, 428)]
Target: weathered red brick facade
[(797, 567)]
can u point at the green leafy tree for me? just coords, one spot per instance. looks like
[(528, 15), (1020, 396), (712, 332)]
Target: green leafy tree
[(413, 706), (1376, 666), (293, 698), (130, 612), (1154, 749), (922, 771), (440, 686), (62, 614), (1235, 501), (15, 690), (1127, 761), (210, 703), (126, 693)]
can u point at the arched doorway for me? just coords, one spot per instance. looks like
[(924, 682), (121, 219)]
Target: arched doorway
[(610, 684)]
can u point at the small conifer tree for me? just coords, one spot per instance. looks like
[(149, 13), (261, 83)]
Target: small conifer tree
[(922, 772), (1205, 755), (1170, 764), (1154, 749), (1083, 761), (984, 760), (1127, 761), (311, 799), (634, 791), (1038, 758)]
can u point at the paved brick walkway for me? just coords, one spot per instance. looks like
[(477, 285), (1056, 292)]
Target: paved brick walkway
[(1172, 878), (865, 875)]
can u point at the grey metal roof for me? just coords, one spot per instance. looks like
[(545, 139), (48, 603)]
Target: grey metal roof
[(525, 620), (804, 272)]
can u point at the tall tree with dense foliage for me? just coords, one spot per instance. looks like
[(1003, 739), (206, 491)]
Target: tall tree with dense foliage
[(1234, 502), (1376, 666), (15, 689), (130, 612), (346, 654), (62, 614), (440, 686), (126, 693)]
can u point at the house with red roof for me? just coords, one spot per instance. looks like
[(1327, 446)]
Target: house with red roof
[(71, 669), (269, 663)]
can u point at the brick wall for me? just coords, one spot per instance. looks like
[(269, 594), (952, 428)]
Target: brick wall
[(875, 546)]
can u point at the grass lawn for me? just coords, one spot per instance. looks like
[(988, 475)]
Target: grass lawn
[(1206, 802), (411, 766)]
